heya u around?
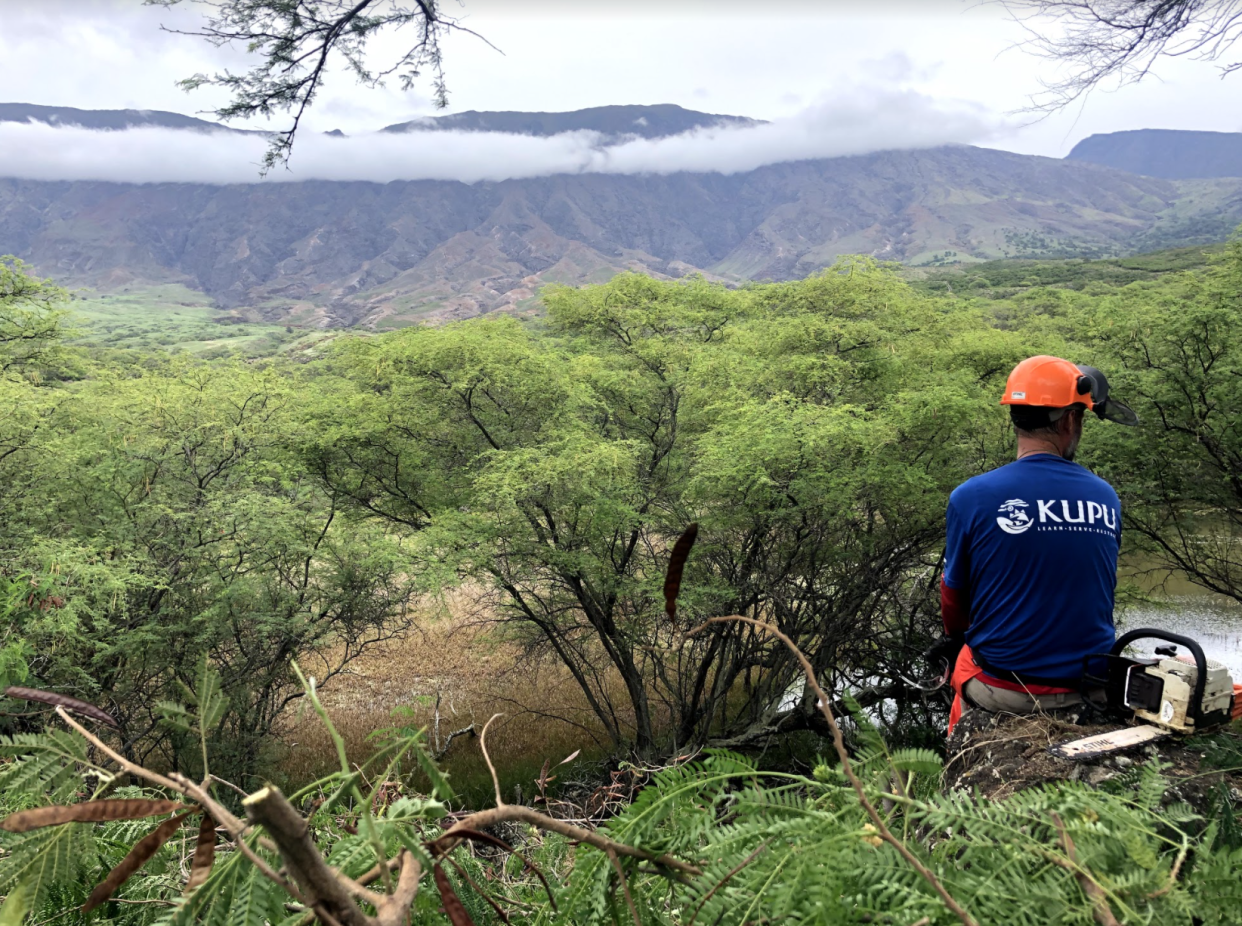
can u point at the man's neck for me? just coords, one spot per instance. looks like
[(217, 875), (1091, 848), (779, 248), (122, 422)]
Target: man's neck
[(1029, 447)]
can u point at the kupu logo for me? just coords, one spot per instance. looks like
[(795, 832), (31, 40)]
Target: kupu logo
[(1013, 518)]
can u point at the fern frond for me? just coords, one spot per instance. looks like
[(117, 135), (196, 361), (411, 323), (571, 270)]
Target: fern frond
[(251, 900), (43, 859), (919, 761), (45, 765)]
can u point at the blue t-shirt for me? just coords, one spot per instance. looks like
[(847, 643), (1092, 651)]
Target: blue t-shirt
[(1035, 544)]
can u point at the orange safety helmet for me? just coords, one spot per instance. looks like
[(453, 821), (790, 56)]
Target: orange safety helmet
[(1053, 383), (1049, 382)]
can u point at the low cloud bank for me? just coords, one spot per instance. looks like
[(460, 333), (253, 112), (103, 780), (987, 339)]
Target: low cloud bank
[(854, 122)]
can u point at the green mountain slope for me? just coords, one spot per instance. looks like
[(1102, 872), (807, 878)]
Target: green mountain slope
[(1170, 153), (328, 254), (1000, 279)]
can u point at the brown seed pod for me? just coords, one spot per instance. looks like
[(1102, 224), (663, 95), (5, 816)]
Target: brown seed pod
[(204, 853), (88, 812), (60, 700), (138, 856), (454, 909), (676, 564)]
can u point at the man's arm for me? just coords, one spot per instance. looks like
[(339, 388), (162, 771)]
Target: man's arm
[(954, 609), (955, 583)]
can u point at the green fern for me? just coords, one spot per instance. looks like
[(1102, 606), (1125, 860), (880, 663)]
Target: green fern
[(40, 860), (919, 761), (252, 902), (17, 905), (45, 768)]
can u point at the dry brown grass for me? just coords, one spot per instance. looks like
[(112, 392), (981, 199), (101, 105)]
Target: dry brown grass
[(456, 669)]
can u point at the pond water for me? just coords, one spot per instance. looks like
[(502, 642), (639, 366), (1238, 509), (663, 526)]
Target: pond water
[(1214, 622)]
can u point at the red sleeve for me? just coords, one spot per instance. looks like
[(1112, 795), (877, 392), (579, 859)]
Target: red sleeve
[(954, 608)]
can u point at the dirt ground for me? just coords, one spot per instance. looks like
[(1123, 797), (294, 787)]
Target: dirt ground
[(1001, 754)]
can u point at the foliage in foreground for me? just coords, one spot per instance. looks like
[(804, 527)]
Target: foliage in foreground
[(714, 840)]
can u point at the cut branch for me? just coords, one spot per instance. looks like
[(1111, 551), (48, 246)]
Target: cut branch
[(322, 890)]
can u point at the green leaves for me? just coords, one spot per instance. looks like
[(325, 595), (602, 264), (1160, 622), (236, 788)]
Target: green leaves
[(919, 761), (172, 517), (42, 763), (32, 318), (38, 861), (17, 904)]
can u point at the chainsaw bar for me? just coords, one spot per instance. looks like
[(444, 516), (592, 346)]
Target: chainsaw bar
[(1103, 744)]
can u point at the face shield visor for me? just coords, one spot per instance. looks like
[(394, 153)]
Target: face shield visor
[(1105, 407)]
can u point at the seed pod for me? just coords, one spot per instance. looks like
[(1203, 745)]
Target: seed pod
[(88, 812), (454, 909), (204, 853), (676, 564), (138, 856), (60, 700)]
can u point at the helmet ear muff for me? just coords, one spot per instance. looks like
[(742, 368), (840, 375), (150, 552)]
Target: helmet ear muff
[(1086, 386)]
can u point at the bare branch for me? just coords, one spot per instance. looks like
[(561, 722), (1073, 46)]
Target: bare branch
[(519, 814), (395, 909), (500, 801), (1121, 41), (297, 40)]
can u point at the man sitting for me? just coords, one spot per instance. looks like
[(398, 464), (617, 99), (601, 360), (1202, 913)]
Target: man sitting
[(1031, 551)]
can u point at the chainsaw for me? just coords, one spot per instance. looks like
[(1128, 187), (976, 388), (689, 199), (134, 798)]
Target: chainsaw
[(1168, 695)]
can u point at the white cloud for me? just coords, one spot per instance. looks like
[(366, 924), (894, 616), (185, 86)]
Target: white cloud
[(853, 121), (565, 54)]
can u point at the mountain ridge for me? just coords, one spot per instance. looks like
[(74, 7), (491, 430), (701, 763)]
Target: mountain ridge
[(338, 253), (659, 120), (1171, 154), (615, 123), (385, 254), (109, 119)]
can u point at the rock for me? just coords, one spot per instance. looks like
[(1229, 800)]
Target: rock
[(1099, 774)]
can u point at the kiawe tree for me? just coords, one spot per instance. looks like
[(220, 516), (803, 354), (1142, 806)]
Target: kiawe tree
[(32, 318), (1178, 352), (32, 321), (811, 429), (169, 521)]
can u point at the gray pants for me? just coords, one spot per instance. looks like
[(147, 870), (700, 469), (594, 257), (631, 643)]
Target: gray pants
[(1001, 700)]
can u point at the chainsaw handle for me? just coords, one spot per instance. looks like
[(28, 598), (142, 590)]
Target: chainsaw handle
[(1143, 633)]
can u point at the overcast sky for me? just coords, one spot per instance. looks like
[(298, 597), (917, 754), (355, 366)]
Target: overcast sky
[(932, 70)]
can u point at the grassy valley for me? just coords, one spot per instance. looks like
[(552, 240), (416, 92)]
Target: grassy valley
[(999, 279), (174, 317)]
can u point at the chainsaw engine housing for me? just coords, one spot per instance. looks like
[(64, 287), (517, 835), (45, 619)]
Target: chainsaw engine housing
[(1162, 693), (1175, 695)]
